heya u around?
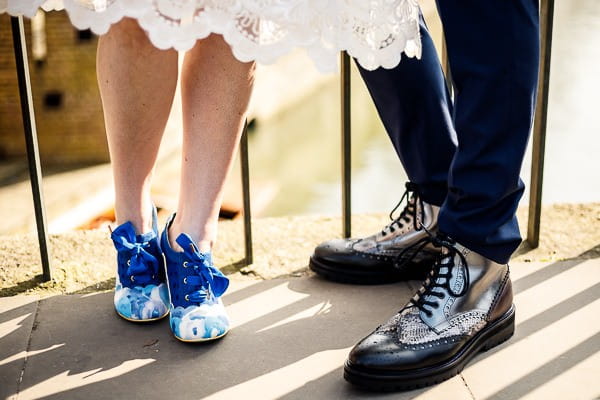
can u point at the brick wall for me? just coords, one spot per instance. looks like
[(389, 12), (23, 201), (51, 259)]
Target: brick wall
[(66, 98)]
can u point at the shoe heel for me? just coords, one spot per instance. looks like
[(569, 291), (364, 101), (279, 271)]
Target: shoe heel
[(503, 332)]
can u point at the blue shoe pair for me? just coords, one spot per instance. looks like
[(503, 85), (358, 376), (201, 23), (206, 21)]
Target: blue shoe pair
[(190, 290)]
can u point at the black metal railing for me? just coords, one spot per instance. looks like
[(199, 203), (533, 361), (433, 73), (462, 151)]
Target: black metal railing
[(539, 139), (31, 142), (245, 164), (346, 128), (540, 124)]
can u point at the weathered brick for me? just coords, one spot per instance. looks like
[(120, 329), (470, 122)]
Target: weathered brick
[(73, 132)]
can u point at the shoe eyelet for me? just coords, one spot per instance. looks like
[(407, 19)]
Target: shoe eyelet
[(187, 298), (132, 278), (185, 281), (129, 262), (185, 264)]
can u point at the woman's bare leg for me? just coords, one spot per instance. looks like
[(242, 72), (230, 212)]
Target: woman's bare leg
[(137, 84), (215, 92)]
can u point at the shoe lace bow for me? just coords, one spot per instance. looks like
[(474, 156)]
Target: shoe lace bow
[(203, 276), (142, 267)]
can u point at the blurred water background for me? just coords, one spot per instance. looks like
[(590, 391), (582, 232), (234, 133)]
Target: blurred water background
[(295, 142), (299, 150)]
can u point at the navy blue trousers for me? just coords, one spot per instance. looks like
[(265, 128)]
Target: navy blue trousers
[(466, 156)]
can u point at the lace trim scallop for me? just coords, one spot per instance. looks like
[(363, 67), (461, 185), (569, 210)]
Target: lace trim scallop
[(375, 32)]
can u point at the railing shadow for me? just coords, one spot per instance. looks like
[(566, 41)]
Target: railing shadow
[(97, 341), (85, 350), (524, 384), (22, 287)]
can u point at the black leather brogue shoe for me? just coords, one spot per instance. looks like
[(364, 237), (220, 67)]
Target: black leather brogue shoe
[(464, 307), (382, 257)]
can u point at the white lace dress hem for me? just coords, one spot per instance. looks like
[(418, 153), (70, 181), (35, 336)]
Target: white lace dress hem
[(375, 32)]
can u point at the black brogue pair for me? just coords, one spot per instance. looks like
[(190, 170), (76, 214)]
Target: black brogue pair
[(464, 305)]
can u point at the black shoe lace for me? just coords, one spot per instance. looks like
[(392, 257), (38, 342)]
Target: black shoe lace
[(409, 212), (445, 260)]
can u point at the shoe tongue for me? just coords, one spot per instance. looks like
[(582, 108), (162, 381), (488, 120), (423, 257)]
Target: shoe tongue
[(451, 263), (446, 265), (146, 237), (186, 243), (127, 230), (402, 224), (190, 248), (446, 256)]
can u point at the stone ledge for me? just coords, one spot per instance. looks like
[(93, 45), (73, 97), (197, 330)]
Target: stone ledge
[(83, 261)]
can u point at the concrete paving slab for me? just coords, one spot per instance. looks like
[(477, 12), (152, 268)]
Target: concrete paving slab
[(17, 315), (290, 339), (557, 336), (332, 387), (577, 382)]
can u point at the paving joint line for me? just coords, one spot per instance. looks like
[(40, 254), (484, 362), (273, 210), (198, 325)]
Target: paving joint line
[(467, 386), (33, 328)]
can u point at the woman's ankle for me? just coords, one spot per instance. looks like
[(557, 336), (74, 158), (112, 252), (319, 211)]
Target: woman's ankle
[(141, 216), (202, 241)]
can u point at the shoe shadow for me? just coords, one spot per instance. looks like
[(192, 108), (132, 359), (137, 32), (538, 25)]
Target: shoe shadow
[(289, 340), (279, 325)]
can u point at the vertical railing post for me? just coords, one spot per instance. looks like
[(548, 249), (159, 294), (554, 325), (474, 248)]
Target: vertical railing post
[(246, 196), (540, 124), (346, 144), (31, 142)]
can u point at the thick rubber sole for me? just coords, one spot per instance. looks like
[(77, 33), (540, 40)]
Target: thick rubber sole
[(492, 335), (341, 274)]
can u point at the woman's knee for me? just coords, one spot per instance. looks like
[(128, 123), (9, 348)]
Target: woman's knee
[(127, 30)]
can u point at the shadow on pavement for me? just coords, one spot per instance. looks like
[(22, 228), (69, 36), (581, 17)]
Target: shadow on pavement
[(289, 340)]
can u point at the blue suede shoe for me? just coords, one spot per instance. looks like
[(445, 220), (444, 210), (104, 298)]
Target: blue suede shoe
[(195, 288), (141, 293)]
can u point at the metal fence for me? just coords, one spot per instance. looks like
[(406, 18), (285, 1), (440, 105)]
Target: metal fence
[(537, 167)]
